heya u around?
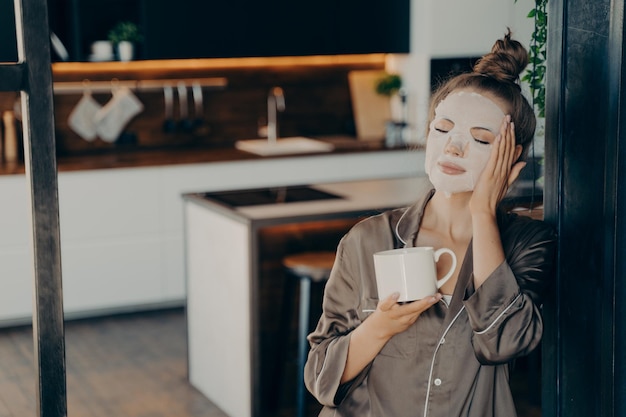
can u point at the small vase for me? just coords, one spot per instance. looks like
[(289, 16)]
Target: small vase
[(395, 134), (125, 51)]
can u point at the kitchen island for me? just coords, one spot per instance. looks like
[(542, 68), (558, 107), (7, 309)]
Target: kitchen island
[(227, 279)]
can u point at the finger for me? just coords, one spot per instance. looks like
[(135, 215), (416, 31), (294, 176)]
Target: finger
[(422, 304), (504, 139), (508, 150), (512, 144), (501, 156), (390, 301), (496, 151), (492, 162)]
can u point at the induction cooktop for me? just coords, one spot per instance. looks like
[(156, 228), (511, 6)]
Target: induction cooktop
[(271, 195)]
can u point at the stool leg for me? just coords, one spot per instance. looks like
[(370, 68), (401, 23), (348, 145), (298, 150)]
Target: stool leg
[(282, 341), (303, 330)]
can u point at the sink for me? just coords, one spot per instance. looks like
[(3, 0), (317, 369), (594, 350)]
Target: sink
[(274, 195), (283, 146)]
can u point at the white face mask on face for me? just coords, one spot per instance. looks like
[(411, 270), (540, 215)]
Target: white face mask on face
[(460, 140)]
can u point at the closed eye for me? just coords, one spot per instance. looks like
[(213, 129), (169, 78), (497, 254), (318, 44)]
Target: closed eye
[(443, 125), (482, 136)]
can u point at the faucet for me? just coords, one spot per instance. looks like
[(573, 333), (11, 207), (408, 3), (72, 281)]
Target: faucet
[(275, 103)]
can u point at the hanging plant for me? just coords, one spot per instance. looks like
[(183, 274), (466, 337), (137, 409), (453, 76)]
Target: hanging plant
[(535, 75)]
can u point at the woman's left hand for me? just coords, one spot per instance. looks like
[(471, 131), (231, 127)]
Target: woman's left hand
[(499, 173)]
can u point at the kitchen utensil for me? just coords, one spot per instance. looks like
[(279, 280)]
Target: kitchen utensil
[(58, 47), (200, 128), (169, 125), (185, 124)]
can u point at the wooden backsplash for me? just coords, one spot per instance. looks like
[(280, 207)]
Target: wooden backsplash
[(317, 100)]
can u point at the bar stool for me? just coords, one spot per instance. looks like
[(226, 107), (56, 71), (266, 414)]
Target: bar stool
[(308, 268)]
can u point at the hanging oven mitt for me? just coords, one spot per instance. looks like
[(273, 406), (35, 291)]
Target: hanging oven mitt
[(81, 119), (111, 119)]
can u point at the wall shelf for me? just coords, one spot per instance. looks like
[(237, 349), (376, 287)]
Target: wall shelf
[(70, 87)]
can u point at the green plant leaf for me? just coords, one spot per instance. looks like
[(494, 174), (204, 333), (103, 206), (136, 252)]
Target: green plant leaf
[(389, 84), (535, 74)]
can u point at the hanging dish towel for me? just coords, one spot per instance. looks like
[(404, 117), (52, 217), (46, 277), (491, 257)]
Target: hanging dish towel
[(81, 119), (111, 119)]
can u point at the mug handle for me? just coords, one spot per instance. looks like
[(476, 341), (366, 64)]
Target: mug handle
[(437, 254)]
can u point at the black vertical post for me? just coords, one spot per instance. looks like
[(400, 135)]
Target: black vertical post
[(33, 39), (584, 334), (617, 183)]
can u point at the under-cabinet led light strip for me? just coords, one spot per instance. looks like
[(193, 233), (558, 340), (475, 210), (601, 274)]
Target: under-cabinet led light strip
[(70, 87)]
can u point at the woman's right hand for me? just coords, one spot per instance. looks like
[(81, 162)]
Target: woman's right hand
[(391, 318)]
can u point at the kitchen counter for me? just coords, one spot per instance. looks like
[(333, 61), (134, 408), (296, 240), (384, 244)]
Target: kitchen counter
[(344, 198), (229, 282), (128, 158)]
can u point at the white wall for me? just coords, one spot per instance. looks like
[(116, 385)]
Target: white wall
[(448, 29)]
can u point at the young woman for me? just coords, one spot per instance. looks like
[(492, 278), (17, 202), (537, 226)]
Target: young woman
[(447, 354)]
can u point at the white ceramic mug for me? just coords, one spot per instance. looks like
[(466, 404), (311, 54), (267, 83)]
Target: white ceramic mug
[(102, 49), (410, 271)]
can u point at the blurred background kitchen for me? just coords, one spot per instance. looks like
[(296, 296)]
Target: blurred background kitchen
[(155, 100)]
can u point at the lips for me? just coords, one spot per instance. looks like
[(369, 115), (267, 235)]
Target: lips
[(450, 168)]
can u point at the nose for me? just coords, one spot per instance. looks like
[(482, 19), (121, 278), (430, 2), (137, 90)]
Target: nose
[(456, 145)]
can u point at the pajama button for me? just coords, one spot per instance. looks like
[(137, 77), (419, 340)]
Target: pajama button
[(437, 382)]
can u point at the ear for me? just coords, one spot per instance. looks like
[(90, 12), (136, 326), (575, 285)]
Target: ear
[(518, 152)]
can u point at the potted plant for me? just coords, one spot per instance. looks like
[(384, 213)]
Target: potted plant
[(535, 78), (535, 75), (390, 85), (123, 36)]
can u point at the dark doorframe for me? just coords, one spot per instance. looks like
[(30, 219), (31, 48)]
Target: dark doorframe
[(584, 340), (32, 77)]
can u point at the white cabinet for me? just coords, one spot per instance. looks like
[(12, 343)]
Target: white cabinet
[(219, 286), (110, 245), (122, 229), (16, 277), (103, 204)]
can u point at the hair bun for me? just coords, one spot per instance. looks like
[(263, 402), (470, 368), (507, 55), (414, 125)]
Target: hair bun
[(506, 61)]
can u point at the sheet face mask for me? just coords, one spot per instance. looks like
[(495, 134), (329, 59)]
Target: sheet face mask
[(456, 150)]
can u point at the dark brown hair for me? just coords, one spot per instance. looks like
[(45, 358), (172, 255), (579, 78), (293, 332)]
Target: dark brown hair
[(498, 73)]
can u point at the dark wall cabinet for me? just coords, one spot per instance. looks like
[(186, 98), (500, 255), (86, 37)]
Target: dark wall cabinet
[(234, 28), (8, 43)]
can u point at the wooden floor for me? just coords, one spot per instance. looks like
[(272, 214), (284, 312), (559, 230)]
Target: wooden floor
[(128, 366), (124, 366)]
